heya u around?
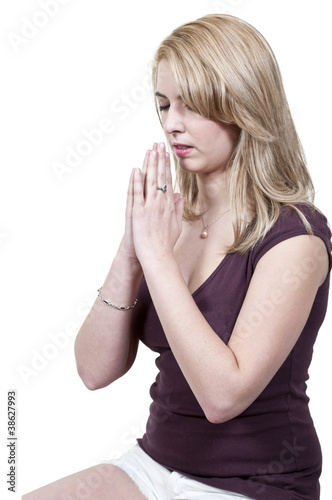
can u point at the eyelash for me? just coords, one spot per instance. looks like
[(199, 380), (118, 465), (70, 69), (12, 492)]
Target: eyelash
[(163, 108)]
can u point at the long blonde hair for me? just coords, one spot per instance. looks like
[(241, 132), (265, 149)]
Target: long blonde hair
[(227, 72)]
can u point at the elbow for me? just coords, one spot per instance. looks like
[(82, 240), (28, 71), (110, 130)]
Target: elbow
[(91, 378), (218, 413), (91, 384), (95, 384), (97, 380), (90, 381), (217, 416)]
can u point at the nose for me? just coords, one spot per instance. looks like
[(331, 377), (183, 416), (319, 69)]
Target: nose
[(173, 121)]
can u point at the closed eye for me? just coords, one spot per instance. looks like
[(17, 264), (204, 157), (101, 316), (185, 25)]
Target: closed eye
[(166, 106), (163, 108)]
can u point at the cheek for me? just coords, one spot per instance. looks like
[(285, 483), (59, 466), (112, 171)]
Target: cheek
[(216, 131), (221, 142), (228, 137)]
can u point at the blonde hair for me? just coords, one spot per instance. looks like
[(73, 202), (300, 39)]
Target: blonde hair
[(227, 72)]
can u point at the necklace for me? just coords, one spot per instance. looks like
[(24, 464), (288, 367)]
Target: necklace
[(204, 233)]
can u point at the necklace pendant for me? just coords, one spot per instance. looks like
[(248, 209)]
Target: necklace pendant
[(204, 233)]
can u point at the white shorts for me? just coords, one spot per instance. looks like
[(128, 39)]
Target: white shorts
[(158, 483)]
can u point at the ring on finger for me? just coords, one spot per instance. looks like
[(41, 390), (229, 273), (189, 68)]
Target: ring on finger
[(162, 188)]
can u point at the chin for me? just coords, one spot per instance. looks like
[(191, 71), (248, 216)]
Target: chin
[(191, 167)]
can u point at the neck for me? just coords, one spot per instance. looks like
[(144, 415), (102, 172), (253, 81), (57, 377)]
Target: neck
[(213, 197)]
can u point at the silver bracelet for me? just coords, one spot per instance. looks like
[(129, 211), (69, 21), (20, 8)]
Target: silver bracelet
[(120, 308)]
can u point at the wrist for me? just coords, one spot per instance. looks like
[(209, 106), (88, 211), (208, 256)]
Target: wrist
[(122, 282), (160, 264), (129, 268)]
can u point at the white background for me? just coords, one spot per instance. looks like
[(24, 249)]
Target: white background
[(59, 233)]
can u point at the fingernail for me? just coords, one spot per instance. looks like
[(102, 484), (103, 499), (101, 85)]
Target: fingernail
[(161, 147)]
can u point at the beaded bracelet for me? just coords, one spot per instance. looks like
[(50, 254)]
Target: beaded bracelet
[(120, 308)]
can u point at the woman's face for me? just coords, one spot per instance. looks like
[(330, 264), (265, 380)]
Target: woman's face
[(201, 145)]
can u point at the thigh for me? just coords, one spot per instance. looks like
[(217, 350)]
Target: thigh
[(187, 488), (102, 482)]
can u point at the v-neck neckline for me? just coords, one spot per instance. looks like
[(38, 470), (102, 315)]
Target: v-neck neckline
[(212, 275)]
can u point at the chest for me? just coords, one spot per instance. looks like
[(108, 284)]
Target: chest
[(218, 295), (197, 257)]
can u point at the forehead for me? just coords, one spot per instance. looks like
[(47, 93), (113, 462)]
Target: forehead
[(166, 83)]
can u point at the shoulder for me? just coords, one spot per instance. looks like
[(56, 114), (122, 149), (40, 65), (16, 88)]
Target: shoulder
[(291, 220), (291, 223)]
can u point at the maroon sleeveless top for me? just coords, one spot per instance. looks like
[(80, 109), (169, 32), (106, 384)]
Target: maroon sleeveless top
[(271, 450)]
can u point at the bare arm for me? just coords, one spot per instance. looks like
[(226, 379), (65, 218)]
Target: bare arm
[(105, 347), (225, 379)]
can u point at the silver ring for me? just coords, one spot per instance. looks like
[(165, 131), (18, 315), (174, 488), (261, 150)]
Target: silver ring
[(162, 188)]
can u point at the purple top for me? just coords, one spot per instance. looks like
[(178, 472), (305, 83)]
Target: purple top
[(271, 450)]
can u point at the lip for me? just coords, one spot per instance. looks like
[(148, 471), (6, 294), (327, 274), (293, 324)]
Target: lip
[(182, 149)]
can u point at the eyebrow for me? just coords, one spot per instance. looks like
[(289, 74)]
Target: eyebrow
[(158, 94)]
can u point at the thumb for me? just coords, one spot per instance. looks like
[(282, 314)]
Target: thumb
[(179, 207), (176, 197)]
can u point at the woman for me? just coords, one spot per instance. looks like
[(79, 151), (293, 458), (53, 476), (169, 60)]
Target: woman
[(227, 281)]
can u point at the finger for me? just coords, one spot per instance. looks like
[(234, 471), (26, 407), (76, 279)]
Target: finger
[(161, 171), (168, 173), (138, 188), (151, 175), (145, 167), (130, 197), (179, 208), (145, 162), (176, 197)]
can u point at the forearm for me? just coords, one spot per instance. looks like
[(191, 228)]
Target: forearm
[(105, 347), (203, 357), (208, 365)]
